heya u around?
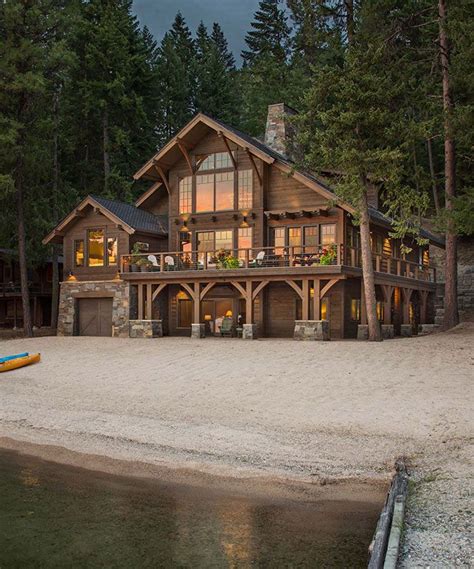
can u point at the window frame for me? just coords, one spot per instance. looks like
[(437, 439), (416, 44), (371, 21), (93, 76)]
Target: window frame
[(85, 240), (74, 251)]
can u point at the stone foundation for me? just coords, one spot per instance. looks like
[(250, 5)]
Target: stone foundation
[(198, 331), (406, 330), (363, 332), (146, 329), (249, 332), (311, 330), (71, 291), (424, 329), (388, 331)]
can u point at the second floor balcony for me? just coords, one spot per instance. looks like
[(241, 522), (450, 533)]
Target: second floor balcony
[(301, 259)]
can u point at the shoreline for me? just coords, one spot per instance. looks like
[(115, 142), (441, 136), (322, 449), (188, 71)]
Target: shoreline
[(251, 483)]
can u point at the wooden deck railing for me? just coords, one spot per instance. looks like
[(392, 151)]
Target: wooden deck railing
[(274, 257)]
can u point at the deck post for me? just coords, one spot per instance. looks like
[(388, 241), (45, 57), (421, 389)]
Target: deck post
[(305, 304), (387, 311), (140, 302), (406, 292), (424, 305), (149, 302), (196, 304), (248, 303), (317, 299)]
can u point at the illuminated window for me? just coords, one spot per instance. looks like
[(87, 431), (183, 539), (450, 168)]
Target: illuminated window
[(328, 233), (355, 309), (244, 240), (205, 162), (185, 241), (324, 309), (223, 160), (224, 191), (294, 236), (96, 247), (278, 238), (245, 189), (311, 239), (224, 240), (426, 258), (112, 250), (205, 193), (79, 253), (186, 195), (380, 310), (205, 243)]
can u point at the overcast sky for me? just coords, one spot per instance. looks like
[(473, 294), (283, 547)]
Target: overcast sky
[(234, 16)]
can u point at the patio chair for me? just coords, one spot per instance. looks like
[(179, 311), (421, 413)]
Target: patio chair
[(227, 327), (154, 262), (258, 261), (169, 263)]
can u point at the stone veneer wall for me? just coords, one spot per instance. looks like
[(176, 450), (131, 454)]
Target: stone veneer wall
[(72, 290)]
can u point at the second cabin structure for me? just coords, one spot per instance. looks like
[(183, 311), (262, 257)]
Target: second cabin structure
[(232, 239)]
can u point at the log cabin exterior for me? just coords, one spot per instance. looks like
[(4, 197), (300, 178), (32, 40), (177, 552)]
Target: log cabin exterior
[(229, 228)]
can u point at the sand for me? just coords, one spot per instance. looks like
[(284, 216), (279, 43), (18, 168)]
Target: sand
[(311, 411)]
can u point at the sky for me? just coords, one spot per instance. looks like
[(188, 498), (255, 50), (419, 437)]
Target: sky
[(234, 16)]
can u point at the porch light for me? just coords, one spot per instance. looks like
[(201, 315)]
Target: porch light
[(71, 277), (207, 317), (244, 223), (229, 314)]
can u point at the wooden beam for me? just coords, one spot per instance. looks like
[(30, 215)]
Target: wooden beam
[(240, 288), (185, 153), (206, 289), (328, 287), (254, 164), (295, 287), (305, 306), (149, 302), (227, 145), (161, 172), (140, 301), (188, 289), (197, 304), (259, 289), (317, 299), (248, 303), (158, 289)]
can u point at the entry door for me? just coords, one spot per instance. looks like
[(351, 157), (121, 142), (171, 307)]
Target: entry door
[(95, 317)]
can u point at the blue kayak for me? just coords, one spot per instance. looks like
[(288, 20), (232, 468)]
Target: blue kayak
[(9, 358)]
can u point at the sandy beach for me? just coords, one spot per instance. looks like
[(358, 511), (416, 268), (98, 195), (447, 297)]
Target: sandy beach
[(318, 412)]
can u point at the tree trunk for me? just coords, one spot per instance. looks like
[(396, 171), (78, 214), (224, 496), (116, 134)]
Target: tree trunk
[(55, 255), (25, 293), (349, 5), (368, 270), (106, 142), (434, 185), (451, 314)]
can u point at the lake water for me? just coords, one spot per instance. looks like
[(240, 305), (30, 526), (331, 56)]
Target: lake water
[(60, 516)]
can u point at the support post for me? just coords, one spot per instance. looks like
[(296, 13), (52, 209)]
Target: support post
[(317, 299), (196, 304), (248, 303), (149, 302), (140, 302), (305, 304)]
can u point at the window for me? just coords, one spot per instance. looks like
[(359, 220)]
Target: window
[(79, 253), (244, 240), (186, 195), (328, 233), (245, 189), (111, 251), (185, 241), (310, 239), (294, 238), (205, 243), (224, 191), (96, 248), (205, 162), (324, 309), (355, 309), (224, 240), (205, 193), (216, 161), (377, 244), (223, 160), (278, 239), (185, 312)]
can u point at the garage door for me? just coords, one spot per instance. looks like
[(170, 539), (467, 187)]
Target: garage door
[(95, 317)]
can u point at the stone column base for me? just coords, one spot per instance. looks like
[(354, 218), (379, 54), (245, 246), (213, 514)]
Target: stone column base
[(198, 331), (363, 332), (388, 331), (311, 330), (406, 330), (146, 328), (424, 329), (249, 331)]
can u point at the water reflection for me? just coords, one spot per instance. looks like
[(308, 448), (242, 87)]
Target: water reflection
[(54, 516)]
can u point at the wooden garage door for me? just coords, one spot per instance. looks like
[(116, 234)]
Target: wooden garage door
[(95, 317)]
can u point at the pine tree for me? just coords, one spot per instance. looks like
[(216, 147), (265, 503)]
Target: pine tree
[(220, 41)]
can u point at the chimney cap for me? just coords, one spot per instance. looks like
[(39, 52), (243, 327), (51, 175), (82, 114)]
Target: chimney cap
[(282, 107)]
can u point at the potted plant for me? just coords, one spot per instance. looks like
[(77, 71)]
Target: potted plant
[(225, 260), (135, 258), (144, 264), (328, 254)]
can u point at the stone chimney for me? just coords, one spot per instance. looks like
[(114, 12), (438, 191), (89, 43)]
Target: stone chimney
[(279, 130)]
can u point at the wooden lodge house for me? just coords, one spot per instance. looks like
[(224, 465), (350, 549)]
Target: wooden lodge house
[(231, 238)]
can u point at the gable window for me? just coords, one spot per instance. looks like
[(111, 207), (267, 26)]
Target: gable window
[(111, 250), (205, 193), (245, 187), (224, 191), (95, 247), (186, 195), (79, 253), (217, 161), (328, 233)]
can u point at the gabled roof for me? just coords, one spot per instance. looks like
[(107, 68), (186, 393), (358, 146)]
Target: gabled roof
[(129, 217)]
